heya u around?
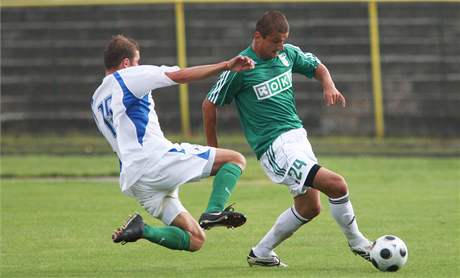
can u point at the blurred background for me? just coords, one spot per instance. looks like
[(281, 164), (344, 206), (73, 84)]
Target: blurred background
[(397, 142), (52, 61)]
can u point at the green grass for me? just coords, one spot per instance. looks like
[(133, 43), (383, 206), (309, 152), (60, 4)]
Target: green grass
[(59, 166), (61, 227), (95, 144)]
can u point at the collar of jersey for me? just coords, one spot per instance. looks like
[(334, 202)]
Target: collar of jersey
[(257, 59)]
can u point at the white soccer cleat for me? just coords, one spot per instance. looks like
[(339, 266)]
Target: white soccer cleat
[(363, 249), (271, 261)]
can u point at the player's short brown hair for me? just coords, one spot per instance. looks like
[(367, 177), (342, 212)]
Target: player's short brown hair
[(272, 21), (119, 48)]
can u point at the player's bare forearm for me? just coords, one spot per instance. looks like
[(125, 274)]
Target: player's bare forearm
[(324, 77), (238, 63), (209, 122), (331, 94), (196, 73)]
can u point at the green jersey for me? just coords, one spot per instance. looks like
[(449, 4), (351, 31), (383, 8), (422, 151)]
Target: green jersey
[(264, 96)]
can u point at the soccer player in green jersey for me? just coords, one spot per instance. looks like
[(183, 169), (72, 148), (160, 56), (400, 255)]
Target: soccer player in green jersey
[(264, 97)]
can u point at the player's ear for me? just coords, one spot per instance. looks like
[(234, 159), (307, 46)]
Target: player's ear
[(125, 63), (257, 35)]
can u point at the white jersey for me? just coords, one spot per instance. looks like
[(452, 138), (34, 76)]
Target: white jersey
[(124, 112)]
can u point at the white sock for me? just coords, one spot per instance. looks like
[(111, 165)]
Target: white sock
[(286, 224), (342, 211)]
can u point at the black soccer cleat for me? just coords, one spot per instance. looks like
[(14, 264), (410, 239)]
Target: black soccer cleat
[(227, 218), (131, 231)]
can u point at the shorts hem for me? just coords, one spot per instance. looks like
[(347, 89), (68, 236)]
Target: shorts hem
[(311, 176)]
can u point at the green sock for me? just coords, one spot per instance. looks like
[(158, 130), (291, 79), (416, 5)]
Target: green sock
[(170, 237), (222, 186)]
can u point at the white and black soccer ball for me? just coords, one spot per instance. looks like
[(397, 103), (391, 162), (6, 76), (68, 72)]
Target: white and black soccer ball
[(389, 253)]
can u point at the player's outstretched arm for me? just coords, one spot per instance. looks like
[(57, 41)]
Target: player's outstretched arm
[(238, 63), (209, 122), (331, 94)]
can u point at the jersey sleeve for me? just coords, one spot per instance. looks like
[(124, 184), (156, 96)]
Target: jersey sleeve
[(303, 63), (141, 80), (225, 89)]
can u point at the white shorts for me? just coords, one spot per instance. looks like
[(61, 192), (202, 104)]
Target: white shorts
[(157, 190), (290, 160)]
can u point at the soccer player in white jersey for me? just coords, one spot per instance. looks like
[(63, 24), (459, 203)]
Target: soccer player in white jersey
[(264, 97), (153, 168)]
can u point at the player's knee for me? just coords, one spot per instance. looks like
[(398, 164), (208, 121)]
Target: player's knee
[(197, 240), (239, 160), (340, 186)]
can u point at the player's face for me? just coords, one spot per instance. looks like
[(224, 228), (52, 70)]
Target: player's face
[(271, 45)]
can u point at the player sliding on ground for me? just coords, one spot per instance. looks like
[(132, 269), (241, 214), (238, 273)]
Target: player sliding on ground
[(153, 168), (265, 101)]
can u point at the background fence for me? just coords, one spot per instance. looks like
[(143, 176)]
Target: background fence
[(52, 62)]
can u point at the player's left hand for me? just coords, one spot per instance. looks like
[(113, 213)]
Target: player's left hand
[(240, 63), (333, 96)]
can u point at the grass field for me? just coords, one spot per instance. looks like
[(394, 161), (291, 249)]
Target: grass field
[(61, 227)]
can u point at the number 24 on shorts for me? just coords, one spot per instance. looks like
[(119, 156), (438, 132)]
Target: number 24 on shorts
[(295, 170)]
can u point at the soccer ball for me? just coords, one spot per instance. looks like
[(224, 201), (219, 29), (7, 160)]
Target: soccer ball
[(389, 253)]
